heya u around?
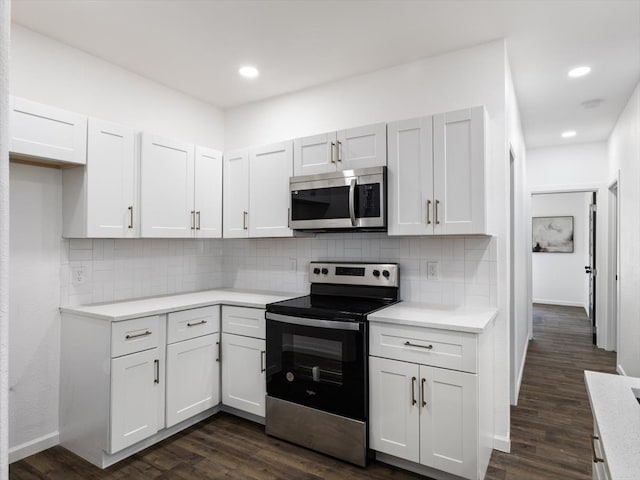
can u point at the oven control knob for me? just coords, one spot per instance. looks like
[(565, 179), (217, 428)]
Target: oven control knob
[(376, 273), (316, 271), (385, 273), (325, 271)]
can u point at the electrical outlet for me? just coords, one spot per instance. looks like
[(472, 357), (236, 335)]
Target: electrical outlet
[(293, 264), (433, 270), (78, 275)]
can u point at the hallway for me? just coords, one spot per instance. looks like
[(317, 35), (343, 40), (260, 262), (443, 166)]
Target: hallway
[(551, 427)]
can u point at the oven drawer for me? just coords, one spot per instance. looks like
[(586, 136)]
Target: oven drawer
[(245, 321), (192, 323), (135, 335), (427, 346)]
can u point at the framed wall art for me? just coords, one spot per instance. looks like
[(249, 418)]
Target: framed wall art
[(552, 234)]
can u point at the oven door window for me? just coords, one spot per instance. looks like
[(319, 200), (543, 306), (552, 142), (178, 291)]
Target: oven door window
[(317, 367)]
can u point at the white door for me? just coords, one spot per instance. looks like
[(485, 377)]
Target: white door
[(193, 377), (410, 177), (135, 398), (270, 168), (111, 181), (166, 187), (236, 194), (394, 416), (362, 147), (48, 133), (208, 192), (243, 377), (315, 154), (458, 170), (449, 420)]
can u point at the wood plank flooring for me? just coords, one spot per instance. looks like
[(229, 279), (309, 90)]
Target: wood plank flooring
[(550, 430)]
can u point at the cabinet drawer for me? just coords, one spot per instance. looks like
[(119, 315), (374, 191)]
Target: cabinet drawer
[(134, 335), (243, 321), (192, 323), (427, 346)]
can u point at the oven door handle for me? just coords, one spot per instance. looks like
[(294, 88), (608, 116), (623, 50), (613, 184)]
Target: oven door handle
[(312, 322), (352, 201)]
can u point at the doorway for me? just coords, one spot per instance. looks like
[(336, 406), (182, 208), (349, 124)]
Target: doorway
[(590, 268)]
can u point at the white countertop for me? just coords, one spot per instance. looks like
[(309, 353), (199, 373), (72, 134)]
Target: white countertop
[(462, 319), (170, 303), (617, 413)]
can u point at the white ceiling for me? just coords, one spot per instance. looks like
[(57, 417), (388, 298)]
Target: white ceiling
[(197, 46)]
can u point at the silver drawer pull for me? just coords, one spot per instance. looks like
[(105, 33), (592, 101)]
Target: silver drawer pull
[(201, 322), (596, 459), (409, 344), (143, 334)]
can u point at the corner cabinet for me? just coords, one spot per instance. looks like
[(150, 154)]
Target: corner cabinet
[(171, 205), (100, 200), (436, 174), (359, 147), (430, 399)]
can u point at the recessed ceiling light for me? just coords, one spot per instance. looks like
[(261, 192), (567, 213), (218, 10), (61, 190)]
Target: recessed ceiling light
[(569, 134), (579, 71), (248, 71)]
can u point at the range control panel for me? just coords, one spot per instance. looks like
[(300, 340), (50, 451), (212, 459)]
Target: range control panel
[(348, 273)]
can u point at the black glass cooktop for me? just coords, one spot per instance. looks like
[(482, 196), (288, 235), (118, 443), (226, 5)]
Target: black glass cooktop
[(329, 307)]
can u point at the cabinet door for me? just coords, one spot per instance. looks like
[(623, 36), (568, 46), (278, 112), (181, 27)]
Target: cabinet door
[(193, 377), (459, 175), (47, 133), (394, 415), (269, 170), (135, 398), (166, 187), (449, 420), (362, 147), (410, 177), (243, 378), (315, 154), (111, 181), (236, 194), (208, 192)]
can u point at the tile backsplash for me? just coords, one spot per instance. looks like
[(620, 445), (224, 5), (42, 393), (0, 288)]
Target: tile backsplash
[(107, 270)]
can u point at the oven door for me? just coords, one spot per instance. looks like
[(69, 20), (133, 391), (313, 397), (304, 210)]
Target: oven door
[(318, 363)]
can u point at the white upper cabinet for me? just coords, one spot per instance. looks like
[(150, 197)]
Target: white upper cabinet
[(46, 134), (208, 193), (359, 147), (236, 194), (269, 170), (436, 174), (99, 200)]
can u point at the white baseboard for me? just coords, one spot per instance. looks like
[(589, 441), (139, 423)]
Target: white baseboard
[(558, 302), (620, 370), (514, 401), (34, 446), (502, 443)]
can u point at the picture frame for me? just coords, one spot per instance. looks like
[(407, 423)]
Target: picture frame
[(552, 234)]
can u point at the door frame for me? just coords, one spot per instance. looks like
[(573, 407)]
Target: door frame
[(613, 307), (602, 261)]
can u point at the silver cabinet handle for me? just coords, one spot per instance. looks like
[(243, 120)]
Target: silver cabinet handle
[(409, 344), (219, 351), (352, 201), (424, 402), (156, 367), (338, 146), (193, 219), (263, 361), (130, 216), (197, 219), (413, 390), (137, 335), (596, 459), (201, 322), (437, 220), (428, 212), (244, 220), (333, 146)]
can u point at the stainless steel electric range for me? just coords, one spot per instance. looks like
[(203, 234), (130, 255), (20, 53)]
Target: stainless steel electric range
[(317, 358)]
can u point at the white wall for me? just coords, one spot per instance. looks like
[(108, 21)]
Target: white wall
[(624, 155), (559, 278), (474, 76), (50, 72)]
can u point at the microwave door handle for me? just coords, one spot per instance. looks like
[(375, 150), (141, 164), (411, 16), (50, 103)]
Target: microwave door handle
[(352, 202)]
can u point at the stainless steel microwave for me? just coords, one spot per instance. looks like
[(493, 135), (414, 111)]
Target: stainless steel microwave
[(347, 199)]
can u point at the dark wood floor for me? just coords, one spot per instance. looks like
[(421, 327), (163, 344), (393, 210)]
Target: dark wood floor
[(550, 430)]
